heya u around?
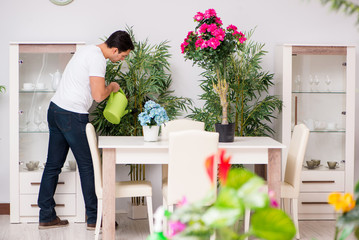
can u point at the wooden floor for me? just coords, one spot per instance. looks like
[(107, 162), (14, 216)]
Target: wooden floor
[(132, 230)]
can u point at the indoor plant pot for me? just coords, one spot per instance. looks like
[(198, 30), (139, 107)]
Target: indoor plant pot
[(226, 132), (150, 133)]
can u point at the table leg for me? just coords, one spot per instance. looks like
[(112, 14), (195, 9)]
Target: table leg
[(275, 171), (109, 178)]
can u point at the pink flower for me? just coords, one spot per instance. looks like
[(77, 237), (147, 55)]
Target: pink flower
[(242, 39), (211, 28), (175, 227), (210, 13), (273, 202), (183, 45), (234, 28), (198, 17), (203, 28), (213, 43), (218, 21), (189, 34), (182, 202), (199, 42), (219, 33)]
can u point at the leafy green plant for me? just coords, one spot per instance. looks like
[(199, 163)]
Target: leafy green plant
[(346, 6), (240, 190), (210, 47), (251, 108), (348, 222), (2, 89), (144, 75)]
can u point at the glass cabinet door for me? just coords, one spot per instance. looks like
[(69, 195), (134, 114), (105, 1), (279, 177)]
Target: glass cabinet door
[(319, 101)]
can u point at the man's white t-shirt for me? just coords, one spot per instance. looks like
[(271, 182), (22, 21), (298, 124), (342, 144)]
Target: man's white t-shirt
[(74, 91)]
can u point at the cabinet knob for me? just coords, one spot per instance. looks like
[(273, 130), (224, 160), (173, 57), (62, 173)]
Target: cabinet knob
[(344, 112)]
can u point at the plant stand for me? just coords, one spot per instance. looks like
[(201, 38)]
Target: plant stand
[(137, 211), (226, 132)]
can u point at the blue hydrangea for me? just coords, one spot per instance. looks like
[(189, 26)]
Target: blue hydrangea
[(153, 114)]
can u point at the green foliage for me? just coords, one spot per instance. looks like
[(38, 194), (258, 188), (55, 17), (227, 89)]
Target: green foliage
[(202, 219), (144, 75), (2, 89), (346, 6), (250, 106), (349, 221)]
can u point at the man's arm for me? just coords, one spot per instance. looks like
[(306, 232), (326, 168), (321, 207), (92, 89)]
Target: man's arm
[(99, 90)]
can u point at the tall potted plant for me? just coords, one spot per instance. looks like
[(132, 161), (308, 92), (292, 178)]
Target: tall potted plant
[(143, 76), (210, 47), (251, 107)]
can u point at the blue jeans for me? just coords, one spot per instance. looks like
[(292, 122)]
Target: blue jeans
[(67, 130)]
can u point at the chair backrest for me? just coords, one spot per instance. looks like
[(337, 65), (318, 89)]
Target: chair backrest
[(96, 158), (296, 152), (180, 125), (187, 175)]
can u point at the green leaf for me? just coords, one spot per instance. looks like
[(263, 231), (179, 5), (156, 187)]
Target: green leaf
[(219, 217), (346, 232), (253, 194), (272, 224), (228, 198), (237, 177)]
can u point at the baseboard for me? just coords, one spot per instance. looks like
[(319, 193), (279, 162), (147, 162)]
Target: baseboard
[(4, 208)]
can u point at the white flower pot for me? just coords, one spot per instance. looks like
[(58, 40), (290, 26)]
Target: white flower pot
[(150, 133)]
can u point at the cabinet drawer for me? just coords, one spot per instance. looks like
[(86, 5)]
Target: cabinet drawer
[(314, 203), (322, 181), (65, 205), (30, 182)]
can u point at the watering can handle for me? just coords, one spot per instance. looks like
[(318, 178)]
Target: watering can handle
[(120, 90)]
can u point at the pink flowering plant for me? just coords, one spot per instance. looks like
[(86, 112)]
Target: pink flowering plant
[(210, 46), (239, 190)]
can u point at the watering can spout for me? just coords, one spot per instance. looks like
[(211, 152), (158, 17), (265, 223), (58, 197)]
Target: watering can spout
[(115, 108)]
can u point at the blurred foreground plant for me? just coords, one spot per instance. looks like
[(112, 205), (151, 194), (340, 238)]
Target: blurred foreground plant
[(349, 220), (239, 190)]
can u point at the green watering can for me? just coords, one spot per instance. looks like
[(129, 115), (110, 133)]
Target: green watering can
[(115, 108)]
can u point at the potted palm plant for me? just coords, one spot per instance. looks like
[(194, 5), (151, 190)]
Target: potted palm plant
[(251, 108), (210, 47), (143, 76)]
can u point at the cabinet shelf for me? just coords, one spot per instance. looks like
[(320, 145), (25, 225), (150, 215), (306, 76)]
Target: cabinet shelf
[(35, 131), (36, 91), (307, 92)]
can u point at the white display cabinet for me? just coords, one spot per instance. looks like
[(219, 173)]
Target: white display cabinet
[(34, 71), (319, 91)]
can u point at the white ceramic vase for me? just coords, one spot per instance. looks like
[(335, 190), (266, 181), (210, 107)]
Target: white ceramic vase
[(150, 133)]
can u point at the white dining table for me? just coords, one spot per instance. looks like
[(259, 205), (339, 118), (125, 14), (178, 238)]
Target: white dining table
[(134, 150)]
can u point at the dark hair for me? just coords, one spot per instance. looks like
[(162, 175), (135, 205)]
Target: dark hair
[(120, 40)]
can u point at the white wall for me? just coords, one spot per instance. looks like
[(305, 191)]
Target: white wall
[(278, 22)]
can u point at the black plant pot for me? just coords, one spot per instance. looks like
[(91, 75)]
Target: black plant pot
[(226, 132)]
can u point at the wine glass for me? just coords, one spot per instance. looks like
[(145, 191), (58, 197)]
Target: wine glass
[(298, 82), (38, 117), (328, 81), (311, 81), (316, 82)]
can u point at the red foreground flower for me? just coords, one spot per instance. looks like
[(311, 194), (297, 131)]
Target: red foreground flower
[(224, 166), (209, 167)]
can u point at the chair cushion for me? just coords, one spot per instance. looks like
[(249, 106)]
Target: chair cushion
[(132, 189)]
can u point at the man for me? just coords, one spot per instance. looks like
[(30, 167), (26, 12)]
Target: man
[(82, 82)]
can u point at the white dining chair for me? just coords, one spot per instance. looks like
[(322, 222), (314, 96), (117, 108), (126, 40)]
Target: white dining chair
[(290, 185), (187, 175), (175, 126), (124, 189)]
